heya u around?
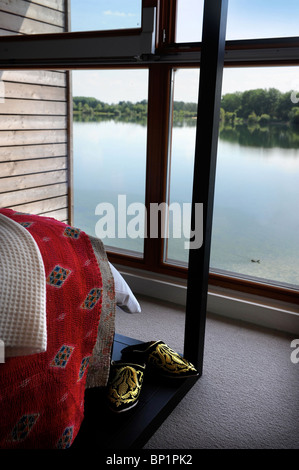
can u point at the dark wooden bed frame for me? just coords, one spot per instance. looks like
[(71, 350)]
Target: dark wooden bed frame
[(101, 428)]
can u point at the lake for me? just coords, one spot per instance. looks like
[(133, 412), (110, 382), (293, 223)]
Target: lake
[(256, 217)]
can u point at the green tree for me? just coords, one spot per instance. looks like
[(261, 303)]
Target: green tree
[(264, 119), (284, 106), (272, 101), (294, 116), (231, 102), (252, 118)]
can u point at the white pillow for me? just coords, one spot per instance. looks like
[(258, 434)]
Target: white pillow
[(125, 299)]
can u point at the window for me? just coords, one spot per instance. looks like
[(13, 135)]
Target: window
[(256, 191), (189, 20), (256, 219), (165, 135), (181, 161), (256, 19), (246, 20), (109, 153), (270, 138), (103, 15), (51, 16)]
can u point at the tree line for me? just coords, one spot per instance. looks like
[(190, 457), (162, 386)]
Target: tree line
[(89, 106), (259, 106)]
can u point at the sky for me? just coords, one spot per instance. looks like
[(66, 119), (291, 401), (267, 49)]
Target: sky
[(246, 19), (105, 14)]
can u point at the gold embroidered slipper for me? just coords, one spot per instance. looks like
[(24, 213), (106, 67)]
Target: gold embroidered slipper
[(160, 358), (124, 385)]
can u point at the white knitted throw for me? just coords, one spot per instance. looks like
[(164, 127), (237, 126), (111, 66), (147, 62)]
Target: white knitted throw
[(23, 325)]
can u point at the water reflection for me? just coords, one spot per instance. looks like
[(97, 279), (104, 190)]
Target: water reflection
[(271, 136), (256, 199), (141, 120), (281, 136)]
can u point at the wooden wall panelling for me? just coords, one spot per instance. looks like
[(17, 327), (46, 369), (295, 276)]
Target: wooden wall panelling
[(60, 214), (33, 180), (34, 122), (26, 26), (34, 92), (32, 166), (38, 11), (40, 194), (33, 137), (32, 152), (39, 77), (34, 119), (46, 206), (55, 4), (6, 32), (13, 106)]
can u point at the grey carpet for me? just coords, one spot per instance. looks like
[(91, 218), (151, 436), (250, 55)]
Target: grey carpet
[(247, 397)]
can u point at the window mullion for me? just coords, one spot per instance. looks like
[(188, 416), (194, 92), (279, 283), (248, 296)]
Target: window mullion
[(167, 24), (156, 172)]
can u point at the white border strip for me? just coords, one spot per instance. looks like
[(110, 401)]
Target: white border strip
[(275, 315)]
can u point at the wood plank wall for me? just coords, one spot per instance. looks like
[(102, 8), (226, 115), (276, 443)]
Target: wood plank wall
[(34, 133)]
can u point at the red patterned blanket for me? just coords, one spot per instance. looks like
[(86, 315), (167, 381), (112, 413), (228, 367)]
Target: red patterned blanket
[(42, 395)]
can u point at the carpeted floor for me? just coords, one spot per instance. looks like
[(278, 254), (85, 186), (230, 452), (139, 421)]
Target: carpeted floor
[(248, 395)]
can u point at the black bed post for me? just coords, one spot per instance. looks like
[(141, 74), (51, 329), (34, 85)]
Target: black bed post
[(211, 70)]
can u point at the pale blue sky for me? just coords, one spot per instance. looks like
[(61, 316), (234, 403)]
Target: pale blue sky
[(105, 14), (262, 18), (246, 19), (112, 86)]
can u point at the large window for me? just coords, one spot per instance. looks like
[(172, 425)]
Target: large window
[(134, 125), (185, 84), (256, 220), (109, 145)]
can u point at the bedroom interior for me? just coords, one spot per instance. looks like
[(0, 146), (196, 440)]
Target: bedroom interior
[(222, 324)]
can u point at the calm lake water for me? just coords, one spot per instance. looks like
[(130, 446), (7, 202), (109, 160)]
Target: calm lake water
[(256, 216)]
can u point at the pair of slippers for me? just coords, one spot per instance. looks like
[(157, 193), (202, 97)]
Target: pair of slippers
[(126, 376)]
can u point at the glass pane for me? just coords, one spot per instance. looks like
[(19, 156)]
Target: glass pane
[(246, 20), (109, 140), (256, 218), (185, 96), (50, 16), (256, 19), (189, 20), (103, 15)]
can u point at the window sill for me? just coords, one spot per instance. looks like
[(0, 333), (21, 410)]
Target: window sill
[(269, 313)]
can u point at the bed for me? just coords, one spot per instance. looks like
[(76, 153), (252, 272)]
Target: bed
[(58, 298)]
